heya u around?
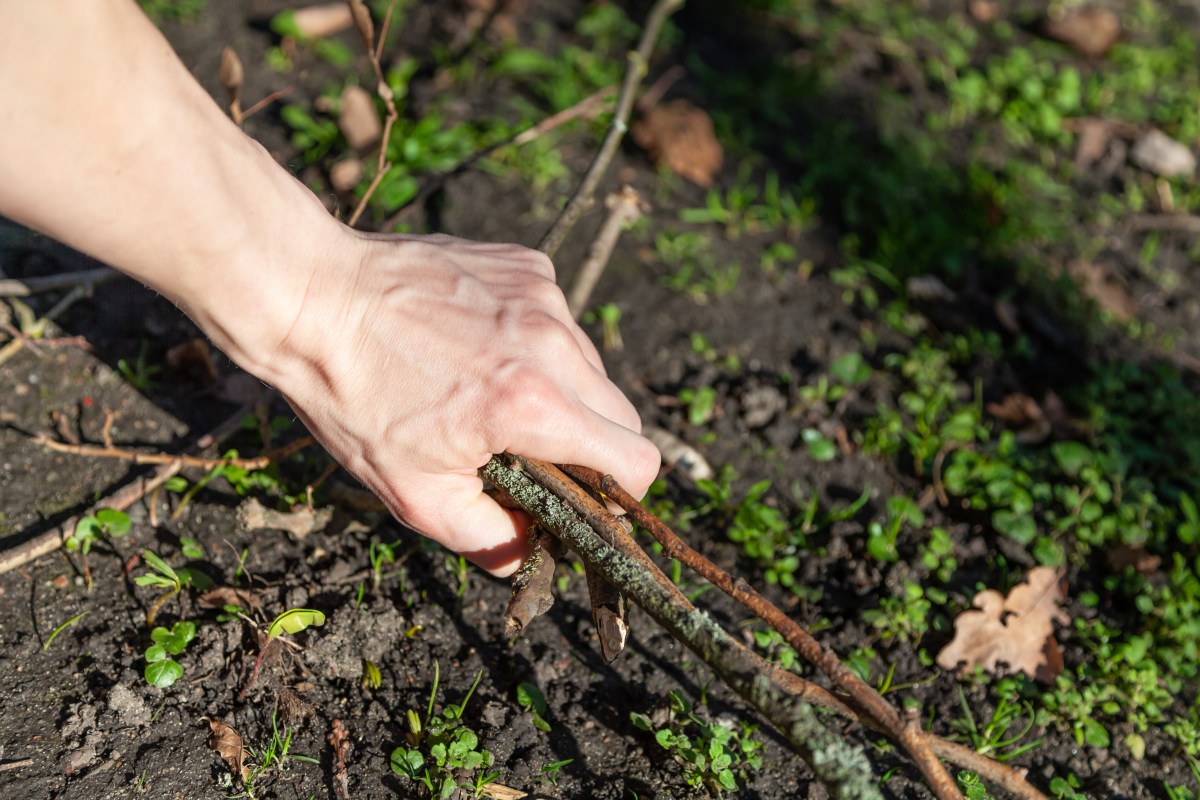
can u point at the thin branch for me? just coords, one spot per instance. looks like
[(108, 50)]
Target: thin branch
[(624, 207), (49, 541), (278, 94), (634, 72), (839, 765), (184, 461), (9, 765), (799, 639), (90, 278), (362, 19)]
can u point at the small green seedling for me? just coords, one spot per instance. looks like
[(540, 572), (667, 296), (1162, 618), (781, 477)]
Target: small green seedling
[(139, 374), (274, 755), (442, 749), (381, 554), (550, 771), (61, 628), (170, 580), (531, 699), (106, 522), (162, 670), (293, 620), (711, 754)]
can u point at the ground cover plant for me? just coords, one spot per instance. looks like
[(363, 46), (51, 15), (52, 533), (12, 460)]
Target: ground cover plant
[(924, 333)]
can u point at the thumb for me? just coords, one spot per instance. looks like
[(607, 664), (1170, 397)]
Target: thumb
[(455, 512)]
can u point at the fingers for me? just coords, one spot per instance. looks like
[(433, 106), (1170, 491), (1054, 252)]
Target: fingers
[(454, 511)]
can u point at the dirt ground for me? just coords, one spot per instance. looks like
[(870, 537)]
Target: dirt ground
[(92, 726)]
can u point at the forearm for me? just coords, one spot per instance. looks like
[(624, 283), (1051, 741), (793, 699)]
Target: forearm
[(108, 144)]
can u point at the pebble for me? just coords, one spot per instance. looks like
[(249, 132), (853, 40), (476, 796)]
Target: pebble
[(1156, 152)]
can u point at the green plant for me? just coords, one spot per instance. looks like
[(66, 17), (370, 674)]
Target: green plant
[(712, 755), (54, 634), (272, 756), (380, 555), (442, 748), (106, 522), (331, 50), (1000, 735), (700, 404), (172, 581), (905, 618), (162, 670), (550, 771), (183, 10), (972, 786), (533, 702), (140, 373), (1064, 788), (882, 536)]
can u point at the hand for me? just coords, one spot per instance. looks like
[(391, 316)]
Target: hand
[(414, 359)]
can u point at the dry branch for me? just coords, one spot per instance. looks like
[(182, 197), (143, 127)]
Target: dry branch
[(49, 541), (634, 72), (366, 29), (11, 287), (624, 207), (184, 460)]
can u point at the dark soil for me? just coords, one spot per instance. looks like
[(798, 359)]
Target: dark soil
[(94, 728)]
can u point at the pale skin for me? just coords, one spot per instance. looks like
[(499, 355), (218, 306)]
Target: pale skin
[(412, 359)]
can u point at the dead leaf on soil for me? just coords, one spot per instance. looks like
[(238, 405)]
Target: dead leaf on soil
[(498, 791), (1017, 631), (317, 22), (339, 740), (1142, 561), (229, 745), (299, 522), (1022, 414), (357, 118), (985, 10), (1158, 153), (1091, 30), (223, 596), (1102, 285), (681, 136), (193, 360)]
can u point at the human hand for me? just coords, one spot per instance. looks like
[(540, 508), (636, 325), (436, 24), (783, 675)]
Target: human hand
[(414, 359)]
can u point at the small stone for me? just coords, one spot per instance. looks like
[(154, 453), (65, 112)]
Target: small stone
[(761, 404), (1156, 152)]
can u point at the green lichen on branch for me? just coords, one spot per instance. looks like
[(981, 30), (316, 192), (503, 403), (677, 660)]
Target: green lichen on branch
[(840, 765)]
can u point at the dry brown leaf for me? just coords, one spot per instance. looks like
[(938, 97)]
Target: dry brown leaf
[(317, 22), (1091, 30), (1142, 561), (1021, 413), (339, 740), (346, 174), (231, 74), (985, 10), (223, 596), (364, 23), (498, 791), (229, 745), (299, 522), (193, 360), (1102, 285), (358, 119), (681, 136), (1017, 631)]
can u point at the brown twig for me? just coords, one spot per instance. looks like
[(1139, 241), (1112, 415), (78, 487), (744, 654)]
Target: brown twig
[(366, 29), (824, 659), (634, 72), (12, 287), (49, 541), (25, 762), (624, 207), (184, 461), (39, 326), (278, 94)]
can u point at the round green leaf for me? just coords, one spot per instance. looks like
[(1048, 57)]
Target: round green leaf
[(163, 673)]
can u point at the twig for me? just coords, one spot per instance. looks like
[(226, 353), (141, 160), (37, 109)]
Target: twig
[(588, 105), (12, 287), (25, 762), (39, 326), (49, 541), (624, 207), (634, 72), (184, 461), (799, 639), (839, 765), (1183, 223), (366, 29), (278, 94)]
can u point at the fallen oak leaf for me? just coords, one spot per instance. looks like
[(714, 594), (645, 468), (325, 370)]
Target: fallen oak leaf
[(299, 522), (223, 596), (1017, 630), (229, 745), (680, 136)]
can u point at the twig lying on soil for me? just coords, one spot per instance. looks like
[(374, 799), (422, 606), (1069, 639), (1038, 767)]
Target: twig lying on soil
[(624, 207), (11, 287), (49, 541), (134, 457), (25, 762), (39, 326), (638, 61)]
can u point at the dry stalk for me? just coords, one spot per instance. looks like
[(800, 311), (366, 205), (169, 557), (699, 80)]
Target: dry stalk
[(184, 461), (49, 541), (366, 29), (624, 207), (11, 287), (634, 72)]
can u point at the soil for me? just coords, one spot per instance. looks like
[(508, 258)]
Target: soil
[(94, 728)]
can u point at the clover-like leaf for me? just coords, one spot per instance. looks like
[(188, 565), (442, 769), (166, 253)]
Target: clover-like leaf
[(163, 673)]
